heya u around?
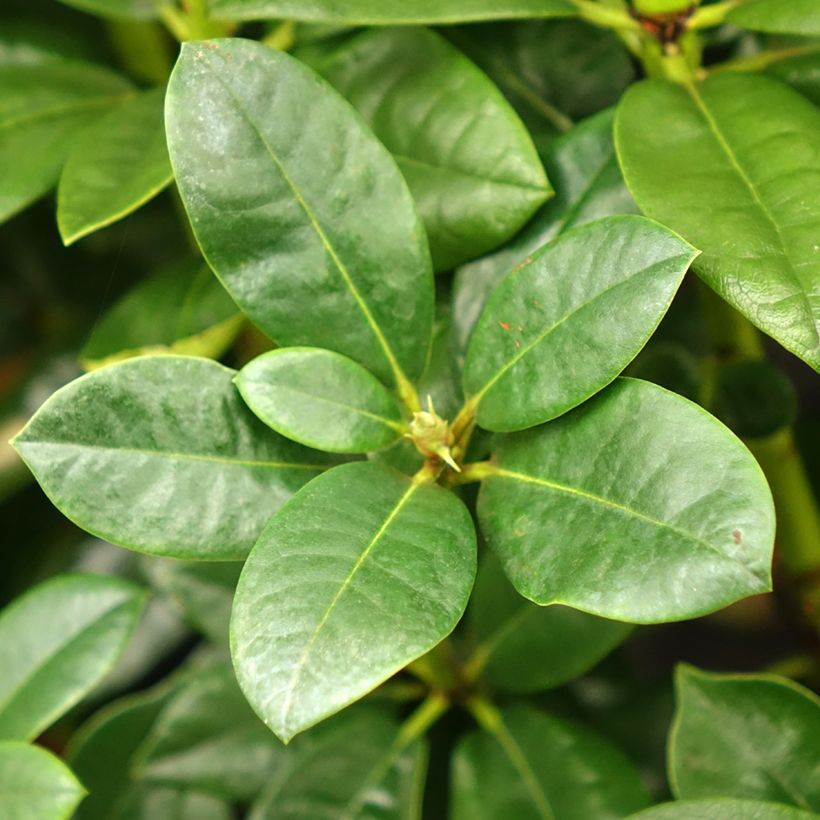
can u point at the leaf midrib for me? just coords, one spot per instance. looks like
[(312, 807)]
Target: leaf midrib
[(57, 110), (624, 510), (300, 665), (274, 465), (387, 350)]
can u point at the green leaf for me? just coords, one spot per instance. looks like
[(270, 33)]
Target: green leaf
[(182, 309), (116, 165), (206, 738), (127, 9), (35, 785), (801, 72), (552, 71), (564, 324), (56, 642), (538, 767), (527, 648), (778, 16), (638, 506), (302, 213), (147, 802), (745, 189), (321, 399), (588, 185), (361, 573), (159, 454), (349, 768), (724, 808), (43, 107), (476, 179), (389, 12), (203, 591), (752, 736)]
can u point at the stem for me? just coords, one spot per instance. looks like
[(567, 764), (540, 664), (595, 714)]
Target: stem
[(758, 62), (605, 16), (173, 19), (143, 49), (282, 37), (421, 720), (470, 473)]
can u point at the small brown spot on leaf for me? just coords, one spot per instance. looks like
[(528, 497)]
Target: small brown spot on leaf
[(504, 325), (517, 344), (736, 536)]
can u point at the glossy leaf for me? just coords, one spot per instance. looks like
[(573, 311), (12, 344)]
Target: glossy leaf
[(552, 71), (321, 399), (206, 738), (527, 648), (588, 185), (476, 179), (745, 189), (35, 785), (302, 213), (361, 573), (390, 12), (56, 642), (778, 16), (725, 808), (538, 767), (128, 9), (147, 802), (752, 736), (117, 164), (350, 768), (203, 591), (43, 107), (637, 506), (801, 72), (159, 454), (182, 309), (567, 321)]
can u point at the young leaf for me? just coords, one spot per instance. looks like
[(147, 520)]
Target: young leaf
[(127, 9), (182, 309), (35, 785), (566, 322), (530, 765), (527, 648), (637, 506), (588, 185), (117, 164), (321, 399), (362, 572), (742, 187), (390, 12), (203, 591), (56, 642), (778, 16), (43, 106), (302, 213), (206, 738), (476, 179), (722, 807), (751, 736), (159, 454), (349, 768)]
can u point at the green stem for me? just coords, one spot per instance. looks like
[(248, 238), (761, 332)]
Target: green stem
[(759, 62), (421, 720), (282, 37), (143, 48), (470, 473), (606, 16), (174, 20)]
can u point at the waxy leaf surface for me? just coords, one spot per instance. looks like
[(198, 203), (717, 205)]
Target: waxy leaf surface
[(350, 768), (321, 399), (181, 310), (741, 186), (588, 185), (637, 506), (567, 321), (778, 16), (523, 647), (801, 72), (390, 12), (43, 107), (538, 767), (127, 9), (298, 208), (35, 785), (361, 573), (467, 158), (726, 808), (752, 736), (208, 739), (160, 454), (116, 165), (56, 642)]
